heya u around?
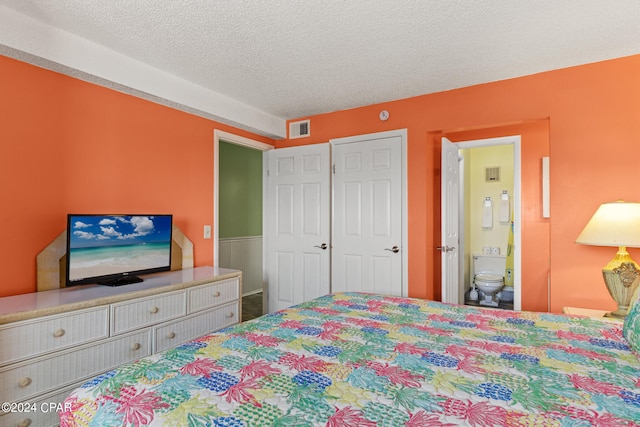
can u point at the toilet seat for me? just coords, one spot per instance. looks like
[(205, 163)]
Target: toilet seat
[(489, 278)]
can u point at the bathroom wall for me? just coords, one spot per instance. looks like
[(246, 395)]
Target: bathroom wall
[(240, 191), (475, 191), (479, 159)]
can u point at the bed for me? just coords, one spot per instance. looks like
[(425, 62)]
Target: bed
[(353, 359)]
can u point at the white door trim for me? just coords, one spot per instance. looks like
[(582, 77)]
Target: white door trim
[(514, 140), (219, 135), (402, 133)]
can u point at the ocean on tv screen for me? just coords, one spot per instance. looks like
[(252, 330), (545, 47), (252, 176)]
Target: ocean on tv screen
[(102, 245)]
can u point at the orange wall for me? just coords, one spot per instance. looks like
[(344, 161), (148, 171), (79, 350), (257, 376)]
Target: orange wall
[(586, 118), (71, 146), (535, 229)]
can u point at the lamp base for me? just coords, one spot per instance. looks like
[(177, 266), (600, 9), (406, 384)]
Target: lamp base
[(622, 276), (617, 314)]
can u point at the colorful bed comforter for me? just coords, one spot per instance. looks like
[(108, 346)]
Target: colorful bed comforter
[(367, 360)]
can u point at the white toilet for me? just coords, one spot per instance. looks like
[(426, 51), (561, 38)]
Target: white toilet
[(488, 277)]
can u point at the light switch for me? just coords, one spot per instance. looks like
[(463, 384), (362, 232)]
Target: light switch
[(207, 231)]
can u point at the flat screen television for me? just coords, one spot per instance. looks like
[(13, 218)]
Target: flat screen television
[(114, 249)]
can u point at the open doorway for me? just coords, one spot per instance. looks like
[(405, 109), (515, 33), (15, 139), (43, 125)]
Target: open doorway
[(488, 210), (474, 229), (238, 218)]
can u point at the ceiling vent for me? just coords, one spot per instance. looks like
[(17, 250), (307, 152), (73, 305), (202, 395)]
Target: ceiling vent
[(299, 129), (492, 174)]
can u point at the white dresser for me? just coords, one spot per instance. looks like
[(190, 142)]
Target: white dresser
[(51, 342)]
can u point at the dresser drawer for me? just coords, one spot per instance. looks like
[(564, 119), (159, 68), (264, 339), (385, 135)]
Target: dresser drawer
[(136, 314), (213, 294), (31, 338), (42, 412), (24, 380), (194, 326)]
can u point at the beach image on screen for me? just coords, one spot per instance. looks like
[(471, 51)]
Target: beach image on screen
[(105, 245)]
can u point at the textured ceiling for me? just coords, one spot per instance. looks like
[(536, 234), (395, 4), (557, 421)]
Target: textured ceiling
[(299, 58)]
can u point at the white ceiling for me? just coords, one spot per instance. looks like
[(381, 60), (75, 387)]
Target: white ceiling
[(282, 59)]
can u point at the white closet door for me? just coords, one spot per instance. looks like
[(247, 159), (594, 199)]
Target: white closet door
[(298, 220), (367, 216)]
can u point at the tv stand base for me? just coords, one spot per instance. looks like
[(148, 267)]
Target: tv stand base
[(124, 280)]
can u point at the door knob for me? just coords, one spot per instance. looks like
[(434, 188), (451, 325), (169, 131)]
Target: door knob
[(445, 248), (322, 246), (394, 249)]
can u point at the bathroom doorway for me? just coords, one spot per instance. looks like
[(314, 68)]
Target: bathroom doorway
[(238, 221), (488, 191), (489, 171)]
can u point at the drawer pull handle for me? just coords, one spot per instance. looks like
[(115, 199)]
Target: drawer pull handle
[(217, 294), (23, 382), (230, 315), (58, 333), (136, 346), (171, 335), (154, 310), (25, 422)]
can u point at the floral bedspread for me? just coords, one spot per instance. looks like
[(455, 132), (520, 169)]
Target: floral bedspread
[(365, 360)]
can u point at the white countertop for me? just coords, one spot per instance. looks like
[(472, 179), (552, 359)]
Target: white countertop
[(36, 304)]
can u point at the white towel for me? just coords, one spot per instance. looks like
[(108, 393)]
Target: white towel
[(505, 206), (487, 213)]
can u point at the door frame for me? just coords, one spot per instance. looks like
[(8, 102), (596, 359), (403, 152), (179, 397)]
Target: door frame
[(402, 133), (516, 141), (219, 135)]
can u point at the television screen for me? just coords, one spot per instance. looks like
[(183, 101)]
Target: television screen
[(113, 249)]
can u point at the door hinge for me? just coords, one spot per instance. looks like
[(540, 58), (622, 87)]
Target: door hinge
[(334, 168)]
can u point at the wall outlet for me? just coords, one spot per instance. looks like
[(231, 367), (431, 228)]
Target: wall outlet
[(207, 231), (495, 250)]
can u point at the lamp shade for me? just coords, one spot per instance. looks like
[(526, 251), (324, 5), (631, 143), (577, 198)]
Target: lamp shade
[(613, 224)]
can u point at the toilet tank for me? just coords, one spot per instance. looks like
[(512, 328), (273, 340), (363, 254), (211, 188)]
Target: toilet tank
[(495, 264)]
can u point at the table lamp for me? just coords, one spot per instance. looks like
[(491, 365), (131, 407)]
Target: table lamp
[(616, 224)]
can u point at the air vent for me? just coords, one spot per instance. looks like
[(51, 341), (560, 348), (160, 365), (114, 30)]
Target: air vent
[(492, 174), (299, 129)]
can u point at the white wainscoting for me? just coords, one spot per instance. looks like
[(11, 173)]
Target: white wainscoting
[(245, 254)]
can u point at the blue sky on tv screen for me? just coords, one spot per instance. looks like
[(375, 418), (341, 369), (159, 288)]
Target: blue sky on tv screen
[(111, 230)]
